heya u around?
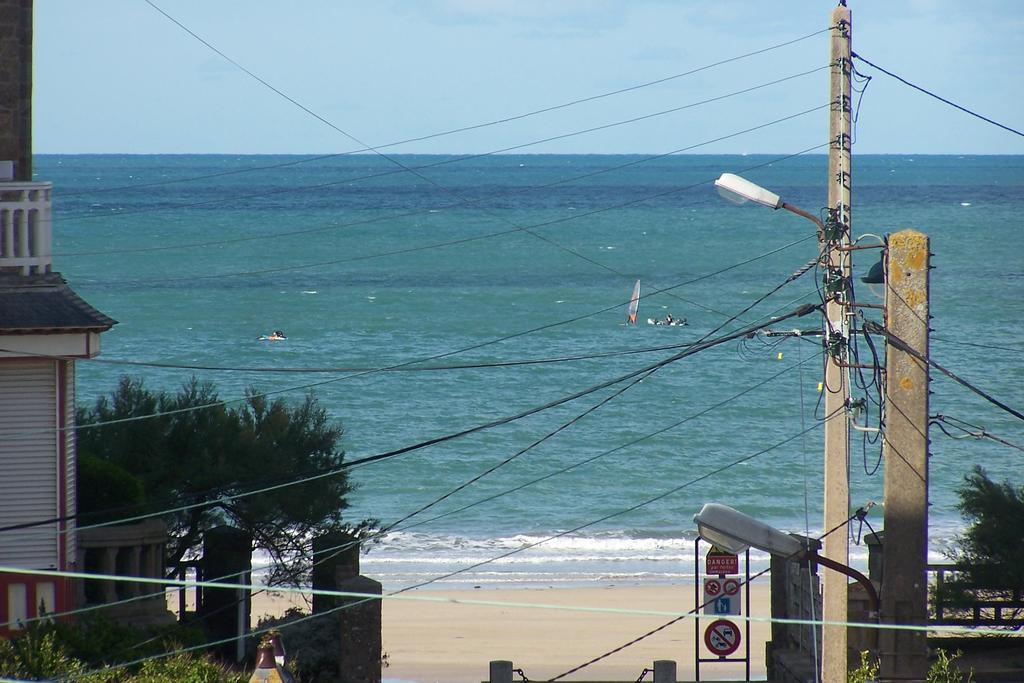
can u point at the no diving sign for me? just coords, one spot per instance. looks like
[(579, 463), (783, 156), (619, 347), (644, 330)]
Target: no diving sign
[(721, 596), (722, 637)]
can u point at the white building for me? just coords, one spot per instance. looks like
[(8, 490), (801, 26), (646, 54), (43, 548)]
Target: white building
[(44, 327)]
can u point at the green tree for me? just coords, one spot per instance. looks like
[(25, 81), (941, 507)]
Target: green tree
[(991, 551), (191, 450)]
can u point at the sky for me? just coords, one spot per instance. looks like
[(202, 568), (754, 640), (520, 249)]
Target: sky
[(118, 76)]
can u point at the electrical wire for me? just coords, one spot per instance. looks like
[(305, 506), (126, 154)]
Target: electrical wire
[(993, 347), (462, 570), (941, 99), (507, 119), (803, 310), (351, 368), (514, 335), (799, 272), (970, 431), (694, 611), (456, 159), (600, 404), (466, 240), (906, 348), (346, 133), (399, 526)]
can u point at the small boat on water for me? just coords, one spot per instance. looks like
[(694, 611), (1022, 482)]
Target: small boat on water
[(668, 320), (634, 306)]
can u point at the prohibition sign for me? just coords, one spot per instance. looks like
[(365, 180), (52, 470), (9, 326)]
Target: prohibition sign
[(722, 637), (731, 586)]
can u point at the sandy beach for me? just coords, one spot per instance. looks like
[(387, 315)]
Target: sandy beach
[(447, 640)]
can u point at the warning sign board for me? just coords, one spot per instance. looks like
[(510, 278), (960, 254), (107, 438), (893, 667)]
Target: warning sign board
[(720, 562), (721, 596), (722, 637)]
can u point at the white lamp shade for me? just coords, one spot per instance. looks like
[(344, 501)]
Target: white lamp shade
[(734, 531), (739, 190)]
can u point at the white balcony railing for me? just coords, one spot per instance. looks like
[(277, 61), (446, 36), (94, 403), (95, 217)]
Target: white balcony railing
[(26, 234)]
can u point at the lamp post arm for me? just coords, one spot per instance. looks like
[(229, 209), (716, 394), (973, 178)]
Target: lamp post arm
[(806, 214), (853, 574)]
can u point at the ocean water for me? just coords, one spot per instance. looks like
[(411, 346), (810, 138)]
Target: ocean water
[(455, 271)]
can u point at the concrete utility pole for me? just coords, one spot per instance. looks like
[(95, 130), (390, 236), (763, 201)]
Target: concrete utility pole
[(904, 654), (837, 430)]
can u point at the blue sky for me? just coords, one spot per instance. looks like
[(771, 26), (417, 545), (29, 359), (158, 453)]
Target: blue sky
[(117, 76)]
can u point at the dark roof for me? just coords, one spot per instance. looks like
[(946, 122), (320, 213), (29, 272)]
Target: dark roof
[(34, 304)]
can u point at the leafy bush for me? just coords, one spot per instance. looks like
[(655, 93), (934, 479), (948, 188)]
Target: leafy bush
[(185, 668), (86, 649), (945, 670), (991, 551), (36, 654), (866, 672)]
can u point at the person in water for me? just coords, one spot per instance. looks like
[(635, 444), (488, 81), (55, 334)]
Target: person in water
[(277, 335)]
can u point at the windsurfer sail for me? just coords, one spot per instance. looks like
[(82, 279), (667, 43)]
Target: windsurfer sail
[(634, 305)]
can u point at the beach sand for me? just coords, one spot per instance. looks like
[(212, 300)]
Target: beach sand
[(445, 641)]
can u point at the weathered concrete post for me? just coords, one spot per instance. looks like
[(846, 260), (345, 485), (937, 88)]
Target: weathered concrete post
[(501, 672), (904, 654)]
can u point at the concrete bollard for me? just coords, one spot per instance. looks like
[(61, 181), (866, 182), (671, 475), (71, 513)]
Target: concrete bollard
[(664, 671), (501, 672)]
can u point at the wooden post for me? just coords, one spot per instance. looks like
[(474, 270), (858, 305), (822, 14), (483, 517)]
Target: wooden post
[(904, 654), (836, 386)]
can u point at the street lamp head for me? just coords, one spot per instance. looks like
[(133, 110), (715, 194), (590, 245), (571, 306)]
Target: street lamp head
[(733, 531), (740, 190), (876, 275)]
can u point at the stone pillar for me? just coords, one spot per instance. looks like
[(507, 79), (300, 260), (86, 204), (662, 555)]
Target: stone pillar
[(335, 558), (360, 626), (108, 566), (227, 558), (787, 604), (16, 86), (134, 569)]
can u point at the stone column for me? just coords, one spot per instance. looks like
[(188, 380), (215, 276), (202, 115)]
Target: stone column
[(108, 566), (335, 558), (360, 630), (227, 558)]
